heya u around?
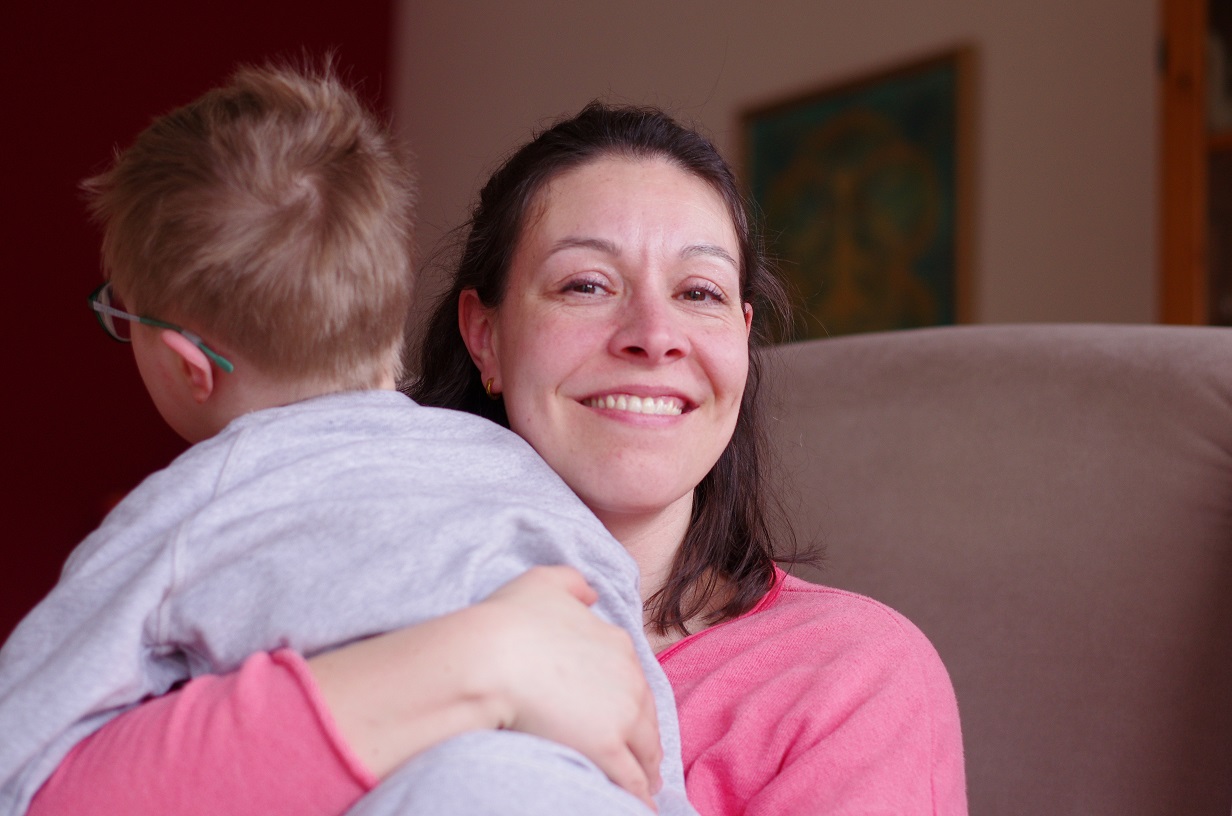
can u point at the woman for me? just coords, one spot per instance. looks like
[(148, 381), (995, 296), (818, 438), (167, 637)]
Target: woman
[(611, 266), (607, 296)]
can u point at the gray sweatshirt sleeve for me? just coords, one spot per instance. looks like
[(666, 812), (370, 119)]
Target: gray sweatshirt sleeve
[(87, 652)]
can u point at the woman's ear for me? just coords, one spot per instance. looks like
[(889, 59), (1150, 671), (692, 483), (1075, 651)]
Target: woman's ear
[(476, 322), (191, 364)]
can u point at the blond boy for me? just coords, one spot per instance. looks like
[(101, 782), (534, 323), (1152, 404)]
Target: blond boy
[(257, 245)]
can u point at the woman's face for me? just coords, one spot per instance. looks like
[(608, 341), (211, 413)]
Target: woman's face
[(621, 346)]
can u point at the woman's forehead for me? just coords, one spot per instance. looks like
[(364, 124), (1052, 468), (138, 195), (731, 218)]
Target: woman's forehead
[(609, 189)]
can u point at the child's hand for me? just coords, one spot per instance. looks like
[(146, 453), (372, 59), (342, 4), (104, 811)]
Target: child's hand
[(570, 677)]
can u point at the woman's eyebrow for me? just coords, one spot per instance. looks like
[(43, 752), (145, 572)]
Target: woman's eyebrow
[(578, 242), (710, 251), (609, 248)]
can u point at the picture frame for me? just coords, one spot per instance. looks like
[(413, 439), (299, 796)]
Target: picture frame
[(865, 189)]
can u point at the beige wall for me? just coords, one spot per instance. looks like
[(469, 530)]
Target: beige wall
[(1065, 111)]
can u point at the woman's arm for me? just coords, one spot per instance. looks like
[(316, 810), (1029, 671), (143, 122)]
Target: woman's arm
[(285, 735), (531, 657), (259, 740)]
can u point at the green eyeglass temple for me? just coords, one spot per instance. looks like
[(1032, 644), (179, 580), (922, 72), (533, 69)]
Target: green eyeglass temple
[(105, 313)]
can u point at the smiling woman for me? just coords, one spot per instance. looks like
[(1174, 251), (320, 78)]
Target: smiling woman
[(724, 563), (604, 307)]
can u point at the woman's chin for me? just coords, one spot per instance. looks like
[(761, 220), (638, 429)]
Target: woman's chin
[(636, 516)]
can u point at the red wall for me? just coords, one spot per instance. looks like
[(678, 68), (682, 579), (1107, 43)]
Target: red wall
[(80, 79)]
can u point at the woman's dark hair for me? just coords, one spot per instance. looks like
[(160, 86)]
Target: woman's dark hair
[(726, 559)]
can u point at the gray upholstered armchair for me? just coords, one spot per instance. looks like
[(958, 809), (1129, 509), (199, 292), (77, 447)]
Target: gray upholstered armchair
[(1052, 505)]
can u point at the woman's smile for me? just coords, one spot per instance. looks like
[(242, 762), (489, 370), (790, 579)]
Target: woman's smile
[(634, 404)]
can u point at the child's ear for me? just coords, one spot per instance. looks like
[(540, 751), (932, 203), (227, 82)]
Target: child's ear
[(191, 364), (475, 321)]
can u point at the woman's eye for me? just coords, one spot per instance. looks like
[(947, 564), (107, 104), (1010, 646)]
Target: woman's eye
[(586, 285), (701, 294)]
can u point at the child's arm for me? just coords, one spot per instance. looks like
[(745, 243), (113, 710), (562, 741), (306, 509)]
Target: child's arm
[(89, 651)]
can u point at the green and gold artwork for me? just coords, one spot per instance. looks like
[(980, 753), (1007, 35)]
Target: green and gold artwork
[(860, 189)]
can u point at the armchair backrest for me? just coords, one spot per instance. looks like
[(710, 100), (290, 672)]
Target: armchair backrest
[(1052, 505)]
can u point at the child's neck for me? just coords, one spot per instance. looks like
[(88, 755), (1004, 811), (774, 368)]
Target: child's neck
[(238, 394)]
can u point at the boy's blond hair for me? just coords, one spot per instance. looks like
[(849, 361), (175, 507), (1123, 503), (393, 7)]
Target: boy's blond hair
[(272, 215)]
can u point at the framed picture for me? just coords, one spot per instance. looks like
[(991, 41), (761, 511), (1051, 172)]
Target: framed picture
[(865, 190)]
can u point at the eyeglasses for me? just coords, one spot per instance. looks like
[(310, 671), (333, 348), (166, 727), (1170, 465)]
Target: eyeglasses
[(111, 316)]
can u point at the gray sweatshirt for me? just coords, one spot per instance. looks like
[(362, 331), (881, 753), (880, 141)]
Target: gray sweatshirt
[(309, 526)]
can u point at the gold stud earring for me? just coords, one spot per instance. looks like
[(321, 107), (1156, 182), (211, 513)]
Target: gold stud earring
[(487, 387)]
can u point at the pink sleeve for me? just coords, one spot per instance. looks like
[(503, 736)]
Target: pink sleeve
[(259, 741)]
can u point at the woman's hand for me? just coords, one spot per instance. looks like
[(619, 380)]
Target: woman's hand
[(572, 678), (532, 657)]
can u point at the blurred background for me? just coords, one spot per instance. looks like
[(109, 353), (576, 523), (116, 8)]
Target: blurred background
[(1064, 192)]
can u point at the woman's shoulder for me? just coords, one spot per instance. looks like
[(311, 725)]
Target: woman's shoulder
[(856, 694), (799, 623), (796, 608), (835, 635)]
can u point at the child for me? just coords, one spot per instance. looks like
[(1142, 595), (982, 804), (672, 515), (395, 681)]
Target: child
[(257, 242)]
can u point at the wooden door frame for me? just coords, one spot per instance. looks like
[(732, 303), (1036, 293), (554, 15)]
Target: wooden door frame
[(1183, 290)]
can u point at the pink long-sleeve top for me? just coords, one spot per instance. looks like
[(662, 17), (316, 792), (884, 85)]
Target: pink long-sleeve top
[(817, 701)]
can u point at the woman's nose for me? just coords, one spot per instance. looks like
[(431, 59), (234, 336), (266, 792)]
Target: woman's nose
[(649, 329)]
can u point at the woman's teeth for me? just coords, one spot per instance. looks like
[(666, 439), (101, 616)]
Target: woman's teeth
[(662, 406)]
